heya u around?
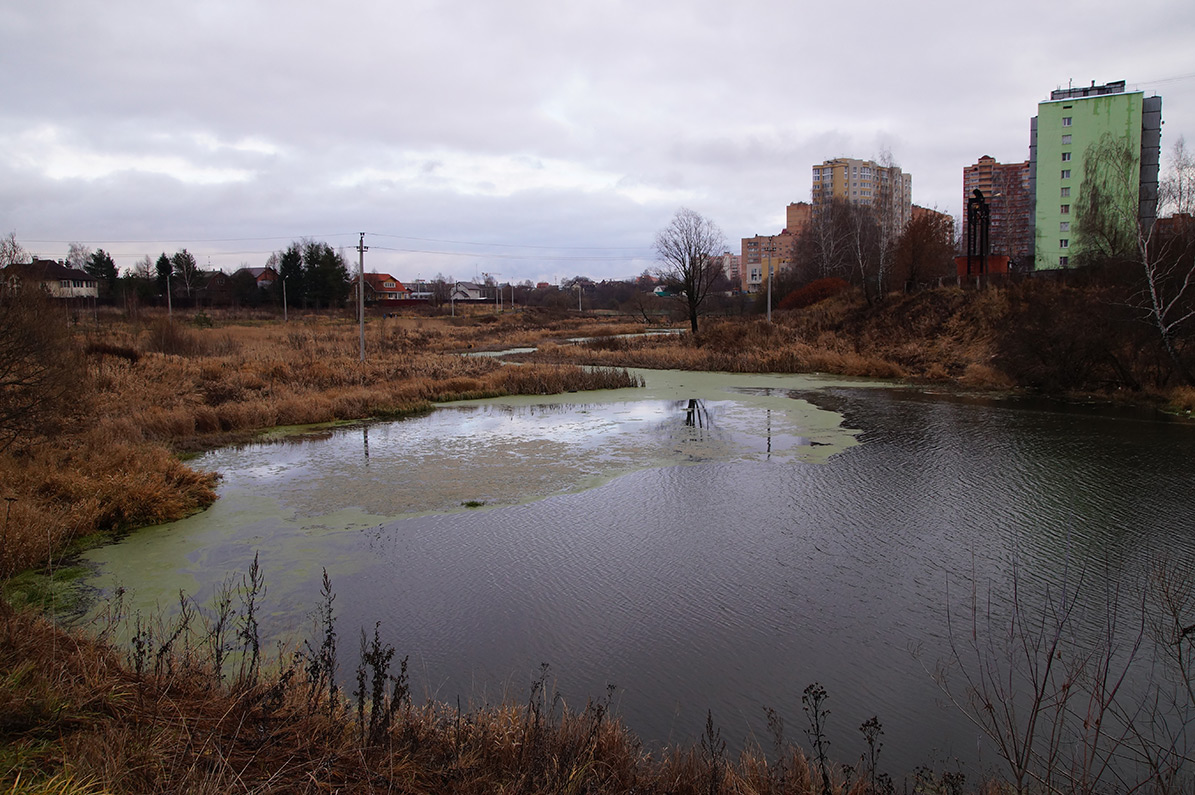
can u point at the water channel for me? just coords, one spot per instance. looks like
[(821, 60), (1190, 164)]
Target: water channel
[(710, 542)]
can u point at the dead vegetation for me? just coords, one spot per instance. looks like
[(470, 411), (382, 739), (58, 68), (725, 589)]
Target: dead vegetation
[(1051, 336), (77, 716), (141, 392)]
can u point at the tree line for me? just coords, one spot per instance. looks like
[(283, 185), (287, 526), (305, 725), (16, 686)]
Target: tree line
[(311, 274)]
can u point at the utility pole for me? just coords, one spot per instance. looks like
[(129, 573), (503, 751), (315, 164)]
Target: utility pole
[(285, 319), (361, 249), (771, 255), (497, 290)]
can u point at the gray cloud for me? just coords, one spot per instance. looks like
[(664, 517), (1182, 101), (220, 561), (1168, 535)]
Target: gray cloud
[(539, 129)]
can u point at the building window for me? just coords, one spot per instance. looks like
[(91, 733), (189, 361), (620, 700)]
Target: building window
[(1064, 261), (1066, 192), (1065, 226), (1066, 121), (1066, 139), (1064, 243), (1066, 173), (1066, 156), (1065, 209)]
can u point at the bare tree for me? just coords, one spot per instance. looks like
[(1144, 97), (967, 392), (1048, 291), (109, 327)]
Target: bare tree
[(845, 240), (924, 250), (143, 269), (822, 246), (1178, 188), (887, 207), (11, 252), (1085, 685), (78, 255), (689, 249), (40, 374), (1110, 229)]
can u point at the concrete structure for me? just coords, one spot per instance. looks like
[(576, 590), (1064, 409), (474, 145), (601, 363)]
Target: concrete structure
[(1066, 136), (886, 189), (1005, 186)]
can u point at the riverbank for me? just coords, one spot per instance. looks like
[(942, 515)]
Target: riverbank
[(1039, 337)]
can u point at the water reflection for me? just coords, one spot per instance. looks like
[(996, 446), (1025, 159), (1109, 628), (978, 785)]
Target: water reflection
[(696, 415)]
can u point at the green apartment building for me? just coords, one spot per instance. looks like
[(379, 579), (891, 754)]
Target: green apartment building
[(1066, 131)]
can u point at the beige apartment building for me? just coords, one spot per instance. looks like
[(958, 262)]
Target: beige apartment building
[(886, 189)]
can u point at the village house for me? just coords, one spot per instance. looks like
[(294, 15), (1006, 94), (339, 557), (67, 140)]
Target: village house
[(264, 277), (381, 287), (58, 280), (469, 291)]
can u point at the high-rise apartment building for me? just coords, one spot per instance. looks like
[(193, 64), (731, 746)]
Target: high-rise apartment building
[(1005, 187), (1068, 130), (886, 189)]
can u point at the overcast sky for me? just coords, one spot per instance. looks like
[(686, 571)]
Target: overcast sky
[(535, 140)]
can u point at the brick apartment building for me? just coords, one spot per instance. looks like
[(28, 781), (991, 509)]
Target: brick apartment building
[(1005, 186)]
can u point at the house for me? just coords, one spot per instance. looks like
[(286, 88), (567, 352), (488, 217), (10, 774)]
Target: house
[(469, 291), (55, 278), (264, 277), (381, 287), (212, 287)]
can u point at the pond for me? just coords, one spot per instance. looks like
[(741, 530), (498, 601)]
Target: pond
[(712, 542)]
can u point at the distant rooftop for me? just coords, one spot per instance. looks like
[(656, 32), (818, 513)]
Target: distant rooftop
[(1088, 91)]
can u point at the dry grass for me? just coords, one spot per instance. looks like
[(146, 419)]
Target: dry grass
[(156, 388), (75, 717), (1040, 335)]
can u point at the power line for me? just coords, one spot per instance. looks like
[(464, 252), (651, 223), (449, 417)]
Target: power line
[(189, 242), (194, 240), (511, 245), (485, 255), (1160, 81)]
